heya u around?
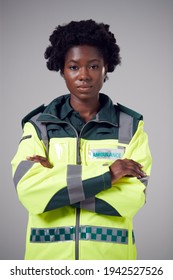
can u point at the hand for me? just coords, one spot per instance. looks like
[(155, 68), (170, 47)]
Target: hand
[(126, 167), (42, 160)]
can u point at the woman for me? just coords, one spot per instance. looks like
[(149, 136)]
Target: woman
[(83, 163)]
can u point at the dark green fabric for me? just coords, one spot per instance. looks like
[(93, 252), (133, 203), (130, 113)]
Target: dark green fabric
[(130, 112), (102, 207), (96, 184), (59, 199)]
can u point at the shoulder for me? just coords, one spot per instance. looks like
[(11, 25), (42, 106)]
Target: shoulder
[(51, 108), (33, 113), (129, 116), (129, 112)]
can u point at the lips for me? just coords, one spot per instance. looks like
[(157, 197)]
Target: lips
[(84, 88)]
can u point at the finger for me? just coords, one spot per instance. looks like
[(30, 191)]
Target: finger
[(135, 163), (30, 158), (135, 167), (36, 158), (42, 160), (132, 168), (138, 173), (39, 157)]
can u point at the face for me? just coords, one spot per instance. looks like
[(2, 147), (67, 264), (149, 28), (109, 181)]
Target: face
[(84, 72)]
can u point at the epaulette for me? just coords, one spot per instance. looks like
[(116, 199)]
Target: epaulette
[(39, 109), (130, 112)]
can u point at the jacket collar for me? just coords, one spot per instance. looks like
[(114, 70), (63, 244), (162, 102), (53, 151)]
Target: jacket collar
[(60, 107)]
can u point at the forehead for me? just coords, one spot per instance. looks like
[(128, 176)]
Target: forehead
[(83, 52)]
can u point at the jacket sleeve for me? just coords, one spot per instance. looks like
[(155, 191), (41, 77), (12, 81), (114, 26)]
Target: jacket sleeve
[(42, 189), (127, 195)]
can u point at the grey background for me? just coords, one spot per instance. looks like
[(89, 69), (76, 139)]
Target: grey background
[(143, 82)]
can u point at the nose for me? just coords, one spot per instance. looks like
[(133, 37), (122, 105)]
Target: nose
[(84, 74)]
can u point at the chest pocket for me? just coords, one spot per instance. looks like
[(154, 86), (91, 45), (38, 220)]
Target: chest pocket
[(63, 150), (102, 151)]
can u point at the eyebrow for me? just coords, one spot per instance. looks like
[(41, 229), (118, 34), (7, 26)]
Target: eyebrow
[(89, 61)]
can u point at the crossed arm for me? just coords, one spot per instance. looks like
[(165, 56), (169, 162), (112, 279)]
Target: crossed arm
[(120, 168)]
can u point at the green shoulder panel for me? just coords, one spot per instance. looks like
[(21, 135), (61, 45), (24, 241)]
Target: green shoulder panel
[(130, 112), (40, 109)]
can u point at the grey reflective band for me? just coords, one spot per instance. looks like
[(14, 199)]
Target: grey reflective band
[(43, 131), (144, 180), (21, 170), (74, 183), (88, 204), (101, 234), (125, 128)]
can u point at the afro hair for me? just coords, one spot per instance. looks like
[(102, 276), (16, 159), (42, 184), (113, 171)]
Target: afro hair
[(84, 32)]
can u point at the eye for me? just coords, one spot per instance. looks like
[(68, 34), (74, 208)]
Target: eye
[(73, 67), (94, 66)]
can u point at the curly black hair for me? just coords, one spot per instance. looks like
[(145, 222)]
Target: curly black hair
[(84, 32)]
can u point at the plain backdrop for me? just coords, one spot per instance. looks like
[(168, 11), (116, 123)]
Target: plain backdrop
[(143, 82)]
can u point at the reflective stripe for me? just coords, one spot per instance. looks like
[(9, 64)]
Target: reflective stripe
[(101, 234), (21, 170), (144, 180), (52, 234), (88, 204), (74, 183), (125, 128), (43, 130)]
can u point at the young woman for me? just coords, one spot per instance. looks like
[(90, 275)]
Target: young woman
[(83, 163)]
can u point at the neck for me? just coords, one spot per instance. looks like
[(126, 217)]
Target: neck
[(87, 109)]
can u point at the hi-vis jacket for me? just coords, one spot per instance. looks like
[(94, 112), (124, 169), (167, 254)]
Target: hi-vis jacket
[(74, 211)]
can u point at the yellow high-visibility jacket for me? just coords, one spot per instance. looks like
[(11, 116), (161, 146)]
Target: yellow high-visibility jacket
[(74, 211)]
